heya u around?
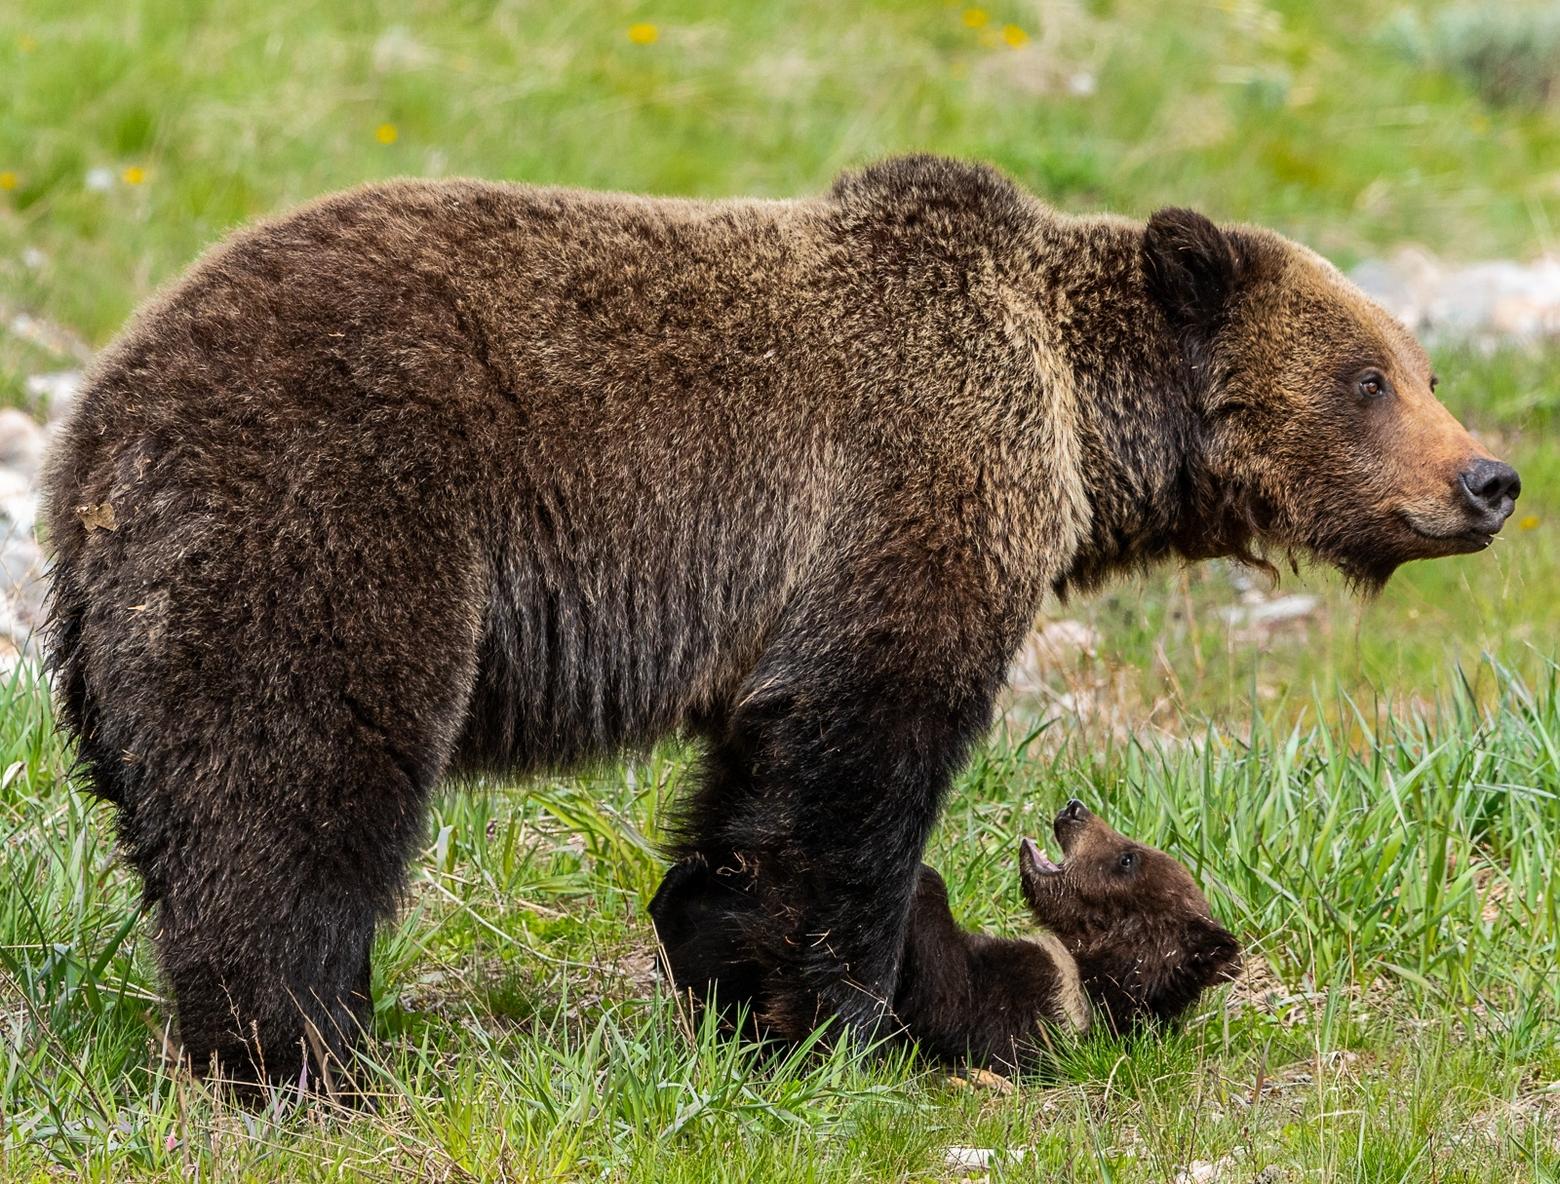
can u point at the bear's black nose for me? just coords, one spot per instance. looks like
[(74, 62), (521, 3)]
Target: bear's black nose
[(1491, 488), (1074, 810)]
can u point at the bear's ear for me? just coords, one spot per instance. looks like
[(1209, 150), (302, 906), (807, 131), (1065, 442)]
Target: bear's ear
[(1191, 268)]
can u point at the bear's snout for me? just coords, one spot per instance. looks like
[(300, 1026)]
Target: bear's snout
[(1070, 824), (1490, 488)]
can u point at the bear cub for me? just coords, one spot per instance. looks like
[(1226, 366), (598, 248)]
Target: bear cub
[(1126, 937)]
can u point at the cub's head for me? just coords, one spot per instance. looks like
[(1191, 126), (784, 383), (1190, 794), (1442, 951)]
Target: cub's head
[(1320, 431), (1138, 926)]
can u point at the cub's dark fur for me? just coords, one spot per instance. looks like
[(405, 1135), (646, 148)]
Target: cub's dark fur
[(443, 476), (1128, 938)]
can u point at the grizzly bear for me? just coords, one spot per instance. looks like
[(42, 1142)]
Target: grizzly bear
[(450, 477), (1126, 937)]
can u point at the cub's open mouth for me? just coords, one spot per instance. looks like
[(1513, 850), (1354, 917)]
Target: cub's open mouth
[(1037, 860)]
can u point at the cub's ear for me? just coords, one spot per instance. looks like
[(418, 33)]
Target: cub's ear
[(1213, 951), (1191, 268)]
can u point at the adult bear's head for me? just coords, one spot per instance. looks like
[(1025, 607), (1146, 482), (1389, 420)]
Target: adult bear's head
[(1320, 431)]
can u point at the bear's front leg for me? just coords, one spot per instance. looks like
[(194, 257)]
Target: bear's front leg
[(820, 793)]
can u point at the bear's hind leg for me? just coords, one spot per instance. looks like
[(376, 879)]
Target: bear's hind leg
[(266, 914), (284, 1004), (270, 736)]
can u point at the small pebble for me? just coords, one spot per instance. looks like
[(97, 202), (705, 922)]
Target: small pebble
[(21, 442), (1485, 303), (56, 391)]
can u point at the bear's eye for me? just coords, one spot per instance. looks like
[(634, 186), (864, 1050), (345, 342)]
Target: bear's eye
[(1128, 861), (1372, 385)]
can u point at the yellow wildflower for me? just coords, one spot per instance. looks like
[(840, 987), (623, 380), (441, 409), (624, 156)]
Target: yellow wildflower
[(386, 133), (26, 44), (133, 175), (976, 17), (8, 180), (1530, 522), (643, 33), (1014, 36)]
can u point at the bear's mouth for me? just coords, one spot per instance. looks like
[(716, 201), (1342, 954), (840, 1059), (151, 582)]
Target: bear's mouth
[(1038, 862), (1462, 541), (1040, 877), (1450, 542)]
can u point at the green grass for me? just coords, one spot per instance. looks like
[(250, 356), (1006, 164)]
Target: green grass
[(1370, 796), (1306, 116), (1399, 900)]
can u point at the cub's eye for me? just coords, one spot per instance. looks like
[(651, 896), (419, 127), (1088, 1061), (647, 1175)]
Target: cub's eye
[(1128, 861), (1372, 385)]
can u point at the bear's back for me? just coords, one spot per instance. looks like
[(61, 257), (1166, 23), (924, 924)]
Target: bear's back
[(570, 423), (608, 437)]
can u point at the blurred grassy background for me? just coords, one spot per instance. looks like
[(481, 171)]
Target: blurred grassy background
[(1339, 121), (1404, 892)]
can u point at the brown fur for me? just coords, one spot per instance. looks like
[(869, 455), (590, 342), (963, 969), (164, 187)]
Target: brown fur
[(441, 476), (1140, 929), (1126, 938), (1128, 921)]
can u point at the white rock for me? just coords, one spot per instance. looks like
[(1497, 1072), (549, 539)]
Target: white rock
[(1241, 577), (396, 49), (18, 504), (49, 336), (20, 561), (21, 442), (1466, 307), (18, 517), (1403, 285), (22, 580), (1296, 607), (1064, 639), (979, 1159), (1487, 302), (1200, 1171), (25, 637), (13, 631), (1525, 317), (57, 390), (1051, 647), (27, 640)]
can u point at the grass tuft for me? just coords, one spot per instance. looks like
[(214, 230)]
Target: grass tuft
[(1396, 885)]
